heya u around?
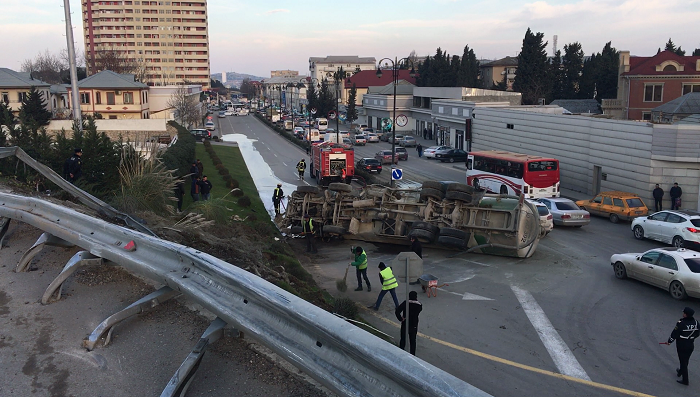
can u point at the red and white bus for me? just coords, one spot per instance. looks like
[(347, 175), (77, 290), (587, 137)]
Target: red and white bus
[(513, 173)]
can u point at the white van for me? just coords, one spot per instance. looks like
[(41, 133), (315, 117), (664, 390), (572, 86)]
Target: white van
[(288, 125), (321, 124)]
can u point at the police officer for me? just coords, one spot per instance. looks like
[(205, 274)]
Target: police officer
[(301, 167), (72, 167), (684, 334), (307, 229), (277, 196), (360, 264)]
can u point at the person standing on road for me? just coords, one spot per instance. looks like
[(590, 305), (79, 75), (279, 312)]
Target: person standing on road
[(416, 246), (72, 168), (414, 309), (389, 284), (360, 264), (308, 231), (277, 196), (676, 193), (419, 149), (684, 334), (205, 187), (658, 194), (301, 167)]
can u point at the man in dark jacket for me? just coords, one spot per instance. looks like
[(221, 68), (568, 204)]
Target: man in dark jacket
[(414, 309), (72, 167), (658, 194), (204, 187), (194, 188), (416, 247), (676, 193), (200, 167), (684, 334), (179, 194)]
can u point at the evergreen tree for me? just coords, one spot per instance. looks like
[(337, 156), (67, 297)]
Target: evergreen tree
[(455, 68), (572, 65), (672, 47), (351, 113), (696, 52), (589, 77), (312, 97), (6, 117), (556, 78), (33, 113), (425, 74), (608, 72), (531, 77), (326, 100), (468, 75), (501, 85), (100, 159)]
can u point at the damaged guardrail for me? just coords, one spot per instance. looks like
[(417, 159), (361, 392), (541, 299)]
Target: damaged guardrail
[(342, 357)]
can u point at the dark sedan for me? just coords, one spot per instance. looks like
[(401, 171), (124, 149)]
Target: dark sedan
[(370, 165), (451, 155)]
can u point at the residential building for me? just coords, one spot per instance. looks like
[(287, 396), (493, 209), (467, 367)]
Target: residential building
[(284, 73), (169, 39), (493, 73), (368, 78), (113, 96), (14, 86), (323, 68), (645, 83)]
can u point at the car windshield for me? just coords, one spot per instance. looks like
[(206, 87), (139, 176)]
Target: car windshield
[(693, 265), (695, 222), (371, 161), (634, 202), (542, 210), (567, 206), (360, 137)]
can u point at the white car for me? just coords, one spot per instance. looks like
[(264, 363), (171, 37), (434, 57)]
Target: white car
[(209, 125), (676, 270), (372, 138), (546, 218), (229, 112), (679, 228), (430, 152)]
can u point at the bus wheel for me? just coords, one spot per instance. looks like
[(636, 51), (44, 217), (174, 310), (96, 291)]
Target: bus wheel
[(504, 189)]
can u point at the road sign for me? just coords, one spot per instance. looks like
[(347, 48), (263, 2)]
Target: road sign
[(332, 115), (386, 124), (396, 174), (313, 110), (401, 120), (342, 116)]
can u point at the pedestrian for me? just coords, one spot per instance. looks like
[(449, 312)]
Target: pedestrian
[(658, 194), (277, 196), (414, 309), (309, 233), (676, 193), (360, 264), (205, 187), (194, 188), (179, 194), (425, 133), (72, 168), (308, 148), (416, 246), (301, 167), (194, 170), (389, 284), (200, 167), (419, 149), (684, 334)]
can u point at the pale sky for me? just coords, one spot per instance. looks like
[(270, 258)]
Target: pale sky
[(258, 36)]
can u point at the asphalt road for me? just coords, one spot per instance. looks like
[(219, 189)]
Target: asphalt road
[(512, 326)]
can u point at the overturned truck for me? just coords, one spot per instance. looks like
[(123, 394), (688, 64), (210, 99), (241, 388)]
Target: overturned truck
[(454, 215)]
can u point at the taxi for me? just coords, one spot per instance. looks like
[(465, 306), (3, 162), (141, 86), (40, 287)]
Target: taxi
[(615, 205)]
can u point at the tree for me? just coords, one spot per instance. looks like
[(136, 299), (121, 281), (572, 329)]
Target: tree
[(326, 100), (572, 65), (117, 61), (468, 75), (531, 77), (672, 47), (247, 88), (186, 107), (46, 67), (351, 113), (556, 78), (33, 113), (696, 52), (312, 97), (6, 117)]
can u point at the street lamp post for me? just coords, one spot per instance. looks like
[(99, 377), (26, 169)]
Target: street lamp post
[(338, 76), (396, 65)]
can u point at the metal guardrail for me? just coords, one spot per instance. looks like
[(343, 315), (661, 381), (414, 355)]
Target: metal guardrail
[(342, 357)]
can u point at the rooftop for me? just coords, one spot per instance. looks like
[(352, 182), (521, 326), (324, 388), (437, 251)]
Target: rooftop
[(650, 66), (368, 78), (110, 79), (11, 79), (507, 61), (354, 59), (687, 104), (579, 106)]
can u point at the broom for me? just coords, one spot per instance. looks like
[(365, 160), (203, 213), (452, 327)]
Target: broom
[(341, 284)]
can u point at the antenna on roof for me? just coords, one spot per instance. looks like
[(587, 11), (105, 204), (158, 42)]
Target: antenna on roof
[(554, 45)]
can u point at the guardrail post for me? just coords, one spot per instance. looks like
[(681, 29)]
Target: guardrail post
[(44, 239), (4, 225), (81, 258)]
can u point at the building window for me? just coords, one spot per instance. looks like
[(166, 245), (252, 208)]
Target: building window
[(112, 117), (110, 99), (128, 98), (21, 96), (646, 116), (98, 98), (6, 97), (670, 68), (85, 98), (510, 126), (653, 92), (688, 88)]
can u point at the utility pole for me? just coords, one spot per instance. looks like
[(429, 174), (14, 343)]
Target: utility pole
[(75, 97)]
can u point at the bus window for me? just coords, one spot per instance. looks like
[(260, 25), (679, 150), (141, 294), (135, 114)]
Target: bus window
[(470, 163), (542, 166)]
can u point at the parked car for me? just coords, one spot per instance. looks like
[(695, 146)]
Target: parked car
[(367, 130), (372, 138), (209, 125), (679, 228), (408, 141), (384, 136), (676, 270), (546, 219), (615, 206), (370, 165), (360, 140), (451, 155), (402, 153), (384, 156), (430, 152), (397, 138), (565, 212), (200, 134)]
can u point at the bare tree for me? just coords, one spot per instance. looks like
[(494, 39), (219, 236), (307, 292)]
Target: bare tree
[(188, 110), (46, 67), (118, 61)]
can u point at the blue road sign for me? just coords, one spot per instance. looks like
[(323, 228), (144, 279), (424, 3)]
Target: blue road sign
[(396, 174)]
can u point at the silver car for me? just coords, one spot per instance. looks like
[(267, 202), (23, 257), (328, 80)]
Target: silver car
[(565, 212), (676, 270)]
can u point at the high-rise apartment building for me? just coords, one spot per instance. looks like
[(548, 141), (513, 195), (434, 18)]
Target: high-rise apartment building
[(162, 42)]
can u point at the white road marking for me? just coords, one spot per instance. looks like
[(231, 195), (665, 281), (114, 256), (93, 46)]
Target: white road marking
[(467, 296), (285, 164), (562, 356)]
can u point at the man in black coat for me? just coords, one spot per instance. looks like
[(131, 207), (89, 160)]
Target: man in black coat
[(72, 168), (414, 309), (658, 194), (684, 334), (676, 193), (204, 187), (416, 247)]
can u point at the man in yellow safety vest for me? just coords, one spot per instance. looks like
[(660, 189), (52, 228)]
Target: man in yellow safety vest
[(360, 264), (307, 229), (389, 284)]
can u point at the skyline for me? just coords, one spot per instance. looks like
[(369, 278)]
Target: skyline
[(274, 35)]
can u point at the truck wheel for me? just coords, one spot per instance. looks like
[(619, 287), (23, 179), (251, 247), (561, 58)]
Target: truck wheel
[(424, 236), (295, 230), (460, 187), (340, 187), (425, 226), (459, 196), (333, 229), (432, 193), (307, 189), (432, 185), (452, 232), (452, 241)]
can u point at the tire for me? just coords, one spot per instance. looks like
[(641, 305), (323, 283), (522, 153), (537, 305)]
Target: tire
[(432, 185), (452, 232), (452, 159), (340, 187), (307, 189), (432, 193), (425, 226), (459, 196), (614, 218), (333, 229), (460, 187), (503, 190), (424, 236), (452, 241), (678, 242), (295, 230), (638, 232), (677, 291), (620, 271)]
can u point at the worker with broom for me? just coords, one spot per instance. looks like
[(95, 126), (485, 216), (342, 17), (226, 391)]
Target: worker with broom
[(360, 264)]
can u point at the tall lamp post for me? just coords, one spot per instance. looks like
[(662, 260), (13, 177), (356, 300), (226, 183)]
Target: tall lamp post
[(396, 65), (338, 76)]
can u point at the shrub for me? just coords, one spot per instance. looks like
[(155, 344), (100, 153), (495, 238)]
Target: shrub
[(346, 307), (244, 201), (219, 166), (179, 155), (237, 193), (223, 171)]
